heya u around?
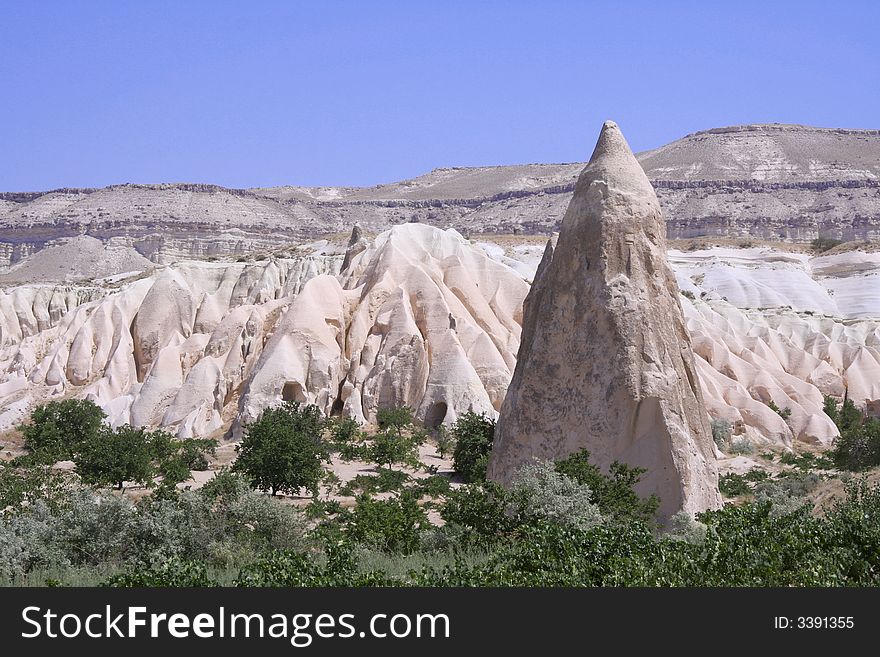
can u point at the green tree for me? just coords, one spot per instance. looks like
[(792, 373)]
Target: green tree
[(284, 451), (114, 456), (390, 447), (473, 434), (397, 418), (392, 525), (58, 428), (830, 408)]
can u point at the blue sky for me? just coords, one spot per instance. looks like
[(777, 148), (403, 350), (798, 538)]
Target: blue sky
[(266, 93)]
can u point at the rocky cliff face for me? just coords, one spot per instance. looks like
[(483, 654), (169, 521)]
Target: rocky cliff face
[(772, 182), (605, 361)]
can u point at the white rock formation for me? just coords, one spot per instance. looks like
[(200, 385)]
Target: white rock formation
[(792, 329), (419, 318), (605, 361)]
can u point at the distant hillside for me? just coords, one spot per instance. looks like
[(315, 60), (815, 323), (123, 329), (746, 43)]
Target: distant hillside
[(767, 181)]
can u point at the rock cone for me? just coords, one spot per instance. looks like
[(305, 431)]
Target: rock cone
[(605, 362)]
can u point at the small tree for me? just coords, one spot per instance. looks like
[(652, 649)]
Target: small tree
[(393, 525), (784, 413), (58, 428), (473, 435), (114, 456), (390, 447), (445, 442), (397, 418), (830, 408), (397, 440), (283, 451)]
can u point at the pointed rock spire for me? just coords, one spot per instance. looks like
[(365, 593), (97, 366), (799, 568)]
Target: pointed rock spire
[(605, 362), (356, 244)]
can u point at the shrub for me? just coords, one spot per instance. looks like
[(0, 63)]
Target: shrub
[(784, 413), (684, 527), (114, 456), (433, 486), (741, 446), (613, 493), (445, 442), (397, 418), (478, 511), (473, 435), (721, 432), (822, 244), (344, 432), (283, 450), (392, 525), (733, 485), (58, 428), (858, 446), (21, 486), (390, 446), (296, 569), (385, 482), (175, 572), (539, 492)]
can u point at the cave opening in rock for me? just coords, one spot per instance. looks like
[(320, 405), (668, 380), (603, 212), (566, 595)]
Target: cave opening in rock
[(293, 391), (436, 415), (336, 409)]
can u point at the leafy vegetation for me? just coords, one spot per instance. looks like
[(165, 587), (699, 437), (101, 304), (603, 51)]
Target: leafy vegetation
[(284, 450), (614, 494), (858, 447), (473, 435), (568, 523), (721, 432), (784, 413), (58, 429)]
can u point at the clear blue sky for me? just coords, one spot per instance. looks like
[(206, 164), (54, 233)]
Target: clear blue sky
[(266, 93)]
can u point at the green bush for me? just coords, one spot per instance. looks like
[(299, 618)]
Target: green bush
[(741, 446), (478, 511), (858, 446), (344, 432), (113, 456), (445, 441), (297, 569), (283, 451), (392, 525), (173, 573), (58, 428), (22, 486), (397, 418), (473, 435), (390, 447), (386, 481), (733, 485), (784, 413), (613, 493), (539, 492)]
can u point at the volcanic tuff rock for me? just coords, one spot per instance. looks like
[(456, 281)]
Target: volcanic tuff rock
[(419, 318), (605, 361), (766, 181), (765, 324)]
